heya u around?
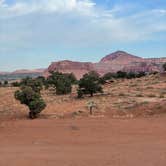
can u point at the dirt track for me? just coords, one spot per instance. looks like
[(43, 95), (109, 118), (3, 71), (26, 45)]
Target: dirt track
[(84, 142)]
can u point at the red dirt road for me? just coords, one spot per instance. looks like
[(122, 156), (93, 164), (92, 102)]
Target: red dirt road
[(84, 142)]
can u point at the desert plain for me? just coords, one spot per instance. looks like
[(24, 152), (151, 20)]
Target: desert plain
[(127, 127)]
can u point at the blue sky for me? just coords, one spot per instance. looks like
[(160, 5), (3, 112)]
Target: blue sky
[(33, 33)]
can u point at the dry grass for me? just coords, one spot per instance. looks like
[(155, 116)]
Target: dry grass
[(136, 97)]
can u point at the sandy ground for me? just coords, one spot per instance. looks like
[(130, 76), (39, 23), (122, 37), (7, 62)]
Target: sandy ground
[(84, 142), (62, 137)]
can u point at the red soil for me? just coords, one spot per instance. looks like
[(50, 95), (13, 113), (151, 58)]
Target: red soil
[(84, 142)]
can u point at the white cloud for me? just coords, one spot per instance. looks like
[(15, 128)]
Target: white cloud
[(2, 4), (75, 22), (46, 6)]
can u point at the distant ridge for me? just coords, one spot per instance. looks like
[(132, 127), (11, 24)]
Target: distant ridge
[(119, 55), (119, 60), (25, 71), (19, 74)]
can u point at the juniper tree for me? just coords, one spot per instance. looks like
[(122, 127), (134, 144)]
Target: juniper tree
[(26, 95), (61, 82), (89, 84), (164, 66)]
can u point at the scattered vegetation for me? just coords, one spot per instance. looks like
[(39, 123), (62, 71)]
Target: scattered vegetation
[(118, 89), (15, 84), (26, 95), (89, 84), (122, 74), (35, 84), (4, 83), (164, 66), (62, 83), (29, 94)]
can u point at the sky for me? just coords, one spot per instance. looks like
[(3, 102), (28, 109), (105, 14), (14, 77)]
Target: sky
[(34, 33)]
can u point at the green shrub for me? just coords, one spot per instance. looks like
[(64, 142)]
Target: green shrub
[(108, 76), (63, 86), (164, 66), (15, 84), (72, 78), (35, 84), (62, 83), (121, 74), (6, 83), (89, 84), (80, 93), (131, 75), (26, 95)]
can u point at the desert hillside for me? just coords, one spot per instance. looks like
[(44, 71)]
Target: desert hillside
[(131, 98)]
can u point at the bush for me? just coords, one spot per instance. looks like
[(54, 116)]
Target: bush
[(6, 83), (61, 82), (108, 76), (121, 74), (15, 84), (89, 84), (37, 105), (63, 86), (131, 75), (26, 95), (142, 74), (71, 77), (80, 93), (41, 79), (35, 84), (164, 66)]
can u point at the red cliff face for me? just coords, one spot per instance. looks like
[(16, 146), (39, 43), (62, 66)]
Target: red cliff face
[(78, 68), (114, 62), (121, 60), (120, 57)]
